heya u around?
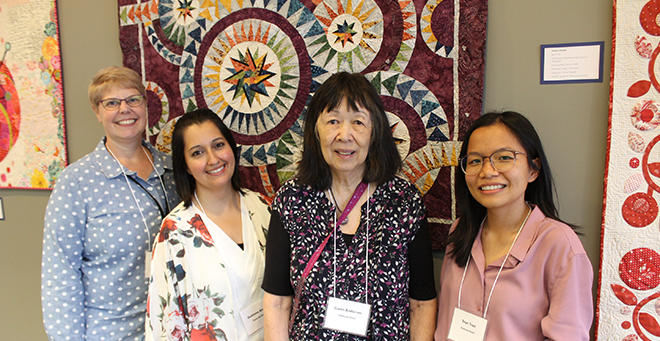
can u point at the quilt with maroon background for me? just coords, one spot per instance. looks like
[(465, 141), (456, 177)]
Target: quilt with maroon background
[(257, 63)]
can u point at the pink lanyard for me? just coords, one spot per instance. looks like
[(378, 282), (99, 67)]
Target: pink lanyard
[(351, 203), (315, 256), (366, 250)]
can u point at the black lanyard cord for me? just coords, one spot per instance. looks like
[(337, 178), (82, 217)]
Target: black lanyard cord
[(160, 208)]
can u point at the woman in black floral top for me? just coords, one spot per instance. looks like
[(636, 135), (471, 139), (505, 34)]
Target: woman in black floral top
[(333, 273)]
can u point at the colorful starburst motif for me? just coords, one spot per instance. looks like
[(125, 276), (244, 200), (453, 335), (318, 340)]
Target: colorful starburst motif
[(185, 9), (353, 35), (250, 76), (344, 33)]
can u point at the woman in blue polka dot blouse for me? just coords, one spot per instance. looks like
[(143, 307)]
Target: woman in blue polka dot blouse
[(101, 221)]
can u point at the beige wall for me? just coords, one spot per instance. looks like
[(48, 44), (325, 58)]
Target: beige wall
[(569, 118)]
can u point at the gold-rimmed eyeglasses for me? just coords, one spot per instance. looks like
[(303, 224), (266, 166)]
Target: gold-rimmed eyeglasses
[(502, 160), (115, 103)]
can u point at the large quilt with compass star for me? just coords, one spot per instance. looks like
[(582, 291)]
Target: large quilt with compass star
[(256, 63)]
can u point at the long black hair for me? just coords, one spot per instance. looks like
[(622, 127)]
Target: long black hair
[(383, 160), (540, 192), (185, 183)]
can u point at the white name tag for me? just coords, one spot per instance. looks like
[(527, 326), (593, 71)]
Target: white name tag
[(347, 316), (467, 327), (253, 317)]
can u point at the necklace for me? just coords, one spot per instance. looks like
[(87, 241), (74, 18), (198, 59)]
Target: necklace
[(337, 206)]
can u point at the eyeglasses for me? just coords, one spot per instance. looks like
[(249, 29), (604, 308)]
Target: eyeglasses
[(115, 103), (502, 161)]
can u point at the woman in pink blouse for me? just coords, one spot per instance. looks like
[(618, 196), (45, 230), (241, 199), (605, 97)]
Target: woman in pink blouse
[(513, 270)]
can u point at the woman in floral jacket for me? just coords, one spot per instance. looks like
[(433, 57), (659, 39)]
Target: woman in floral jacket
[(208, 260)]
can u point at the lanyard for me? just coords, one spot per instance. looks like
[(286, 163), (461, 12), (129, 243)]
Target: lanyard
[(160, 207), (146, 227), (351, 203), (460, 289), (315, 256)]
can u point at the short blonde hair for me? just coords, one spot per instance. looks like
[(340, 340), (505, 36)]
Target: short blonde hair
[(114, 76)]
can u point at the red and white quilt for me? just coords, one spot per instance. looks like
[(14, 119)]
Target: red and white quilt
[(628, 305)]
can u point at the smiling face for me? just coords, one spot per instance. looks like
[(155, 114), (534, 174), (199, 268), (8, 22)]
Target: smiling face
[(492, 189), (125, 124), (209, 157), (344, 137)]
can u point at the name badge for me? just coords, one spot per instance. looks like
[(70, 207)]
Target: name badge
[(467, 327), (253, 317), (347, 316), (147, 264)]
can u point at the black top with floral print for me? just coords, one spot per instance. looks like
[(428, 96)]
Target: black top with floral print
[(396, 213)]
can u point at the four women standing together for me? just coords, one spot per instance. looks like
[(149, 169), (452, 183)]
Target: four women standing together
[(349, 254)]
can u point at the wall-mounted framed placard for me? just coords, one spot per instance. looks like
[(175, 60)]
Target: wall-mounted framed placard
[(572, 63)]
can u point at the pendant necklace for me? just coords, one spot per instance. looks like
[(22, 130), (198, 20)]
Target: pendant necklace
[(338, 209)]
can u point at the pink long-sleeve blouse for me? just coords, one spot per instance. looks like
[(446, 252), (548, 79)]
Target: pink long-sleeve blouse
[(543, 292)]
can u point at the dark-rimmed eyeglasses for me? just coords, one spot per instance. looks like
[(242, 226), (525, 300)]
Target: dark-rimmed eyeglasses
[(502, 160), (115, 103)]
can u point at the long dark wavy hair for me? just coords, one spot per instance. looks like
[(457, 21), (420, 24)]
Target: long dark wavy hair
[(383, 159), (185, 183), (540, 192)]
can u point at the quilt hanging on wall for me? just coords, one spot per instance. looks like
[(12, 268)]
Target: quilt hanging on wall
[(256, 63), (32, 139), (629, 292)]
